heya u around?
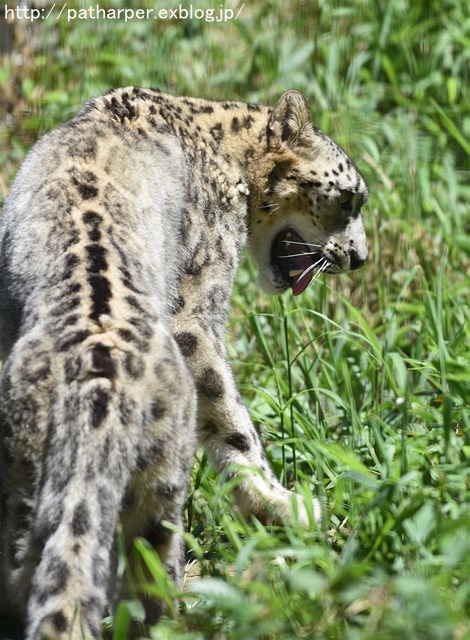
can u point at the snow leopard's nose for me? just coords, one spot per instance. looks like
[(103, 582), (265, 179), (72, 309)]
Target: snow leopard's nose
[(356, 261)]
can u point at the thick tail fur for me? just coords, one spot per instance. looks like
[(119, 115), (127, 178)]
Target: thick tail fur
[(95, 437), (87, 465)]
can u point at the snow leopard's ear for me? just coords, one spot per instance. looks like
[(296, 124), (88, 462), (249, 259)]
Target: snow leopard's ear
[(291, 121)]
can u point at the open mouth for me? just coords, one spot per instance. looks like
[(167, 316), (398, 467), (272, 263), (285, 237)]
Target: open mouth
[(296, 260)]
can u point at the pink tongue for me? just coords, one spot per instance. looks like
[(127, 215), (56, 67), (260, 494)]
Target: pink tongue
[(299, 262), (299, 283)]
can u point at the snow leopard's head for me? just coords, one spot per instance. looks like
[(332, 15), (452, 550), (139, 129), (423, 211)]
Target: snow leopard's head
[(306, 217)]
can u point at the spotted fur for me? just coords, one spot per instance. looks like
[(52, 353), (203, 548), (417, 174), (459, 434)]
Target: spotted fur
[(119, 245)]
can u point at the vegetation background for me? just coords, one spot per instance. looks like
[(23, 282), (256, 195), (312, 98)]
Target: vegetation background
[(361, 386)]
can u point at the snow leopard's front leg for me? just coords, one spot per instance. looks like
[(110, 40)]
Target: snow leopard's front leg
[(227, 432)]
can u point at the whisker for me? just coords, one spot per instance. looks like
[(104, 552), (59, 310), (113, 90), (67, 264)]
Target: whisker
[(309, 268), (305, 253), (320, 270), (307, 244), (273, 208), (269, 206), (326, 266)]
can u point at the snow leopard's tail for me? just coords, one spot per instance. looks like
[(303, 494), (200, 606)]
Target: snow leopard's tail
[(115, 431), (88, 459)]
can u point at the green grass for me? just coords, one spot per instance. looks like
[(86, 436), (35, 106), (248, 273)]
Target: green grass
[(361, 386)]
